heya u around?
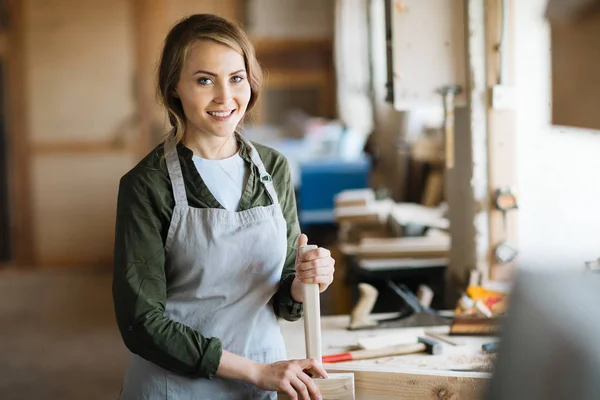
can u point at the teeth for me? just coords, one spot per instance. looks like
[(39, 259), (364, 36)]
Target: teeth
[(220, 114)]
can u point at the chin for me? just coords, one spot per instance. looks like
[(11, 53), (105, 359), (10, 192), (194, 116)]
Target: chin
[(223, 131)]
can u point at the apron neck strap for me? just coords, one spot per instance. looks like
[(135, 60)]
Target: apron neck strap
[(174, 168), (265, 177)]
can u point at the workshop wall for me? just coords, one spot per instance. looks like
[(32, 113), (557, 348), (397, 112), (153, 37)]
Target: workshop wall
[(559, 217)]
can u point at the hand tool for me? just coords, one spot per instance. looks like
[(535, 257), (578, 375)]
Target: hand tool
[(448, 92), (415, 316), (423, 345), (491, 347)]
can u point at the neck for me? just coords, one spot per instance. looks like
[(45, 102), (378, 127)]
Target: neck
[(211, 147)]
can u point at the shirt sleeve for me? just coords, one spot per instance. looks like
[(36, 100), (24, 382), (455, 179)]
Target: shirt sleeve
[(283, 304), (139, 291)]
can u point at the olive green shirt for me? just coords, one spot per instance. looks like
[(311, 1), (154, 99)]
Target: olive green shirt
[(144, 211)]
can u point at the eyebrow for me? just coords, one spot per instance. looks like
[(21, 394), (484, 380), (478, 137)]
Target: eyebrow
[(200, 71)]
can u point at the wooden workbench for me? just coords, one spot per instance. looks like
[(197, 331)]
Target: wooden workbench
[(461, 372)]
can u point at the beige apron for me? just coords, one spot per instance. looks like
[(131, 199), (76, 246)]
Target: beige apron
[(223, 267)]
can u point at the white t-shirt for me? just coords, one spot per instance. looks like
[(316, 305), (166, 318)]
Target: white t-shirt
[(225, 178)]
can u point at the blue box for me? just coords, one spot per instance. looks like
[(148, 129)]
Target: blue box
[(321, 180)]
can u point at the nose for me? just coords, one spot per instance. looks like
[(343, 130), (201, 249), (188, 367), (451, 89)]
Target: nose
[(222, 93)]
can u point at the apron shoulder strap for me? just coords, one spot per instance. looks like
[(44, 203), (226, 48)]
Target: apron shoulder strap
[(265, 177), (174, 168)]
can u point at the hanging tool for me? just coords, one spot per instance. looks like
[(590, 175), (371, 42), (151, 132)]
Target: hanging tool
[(448, 93), (426, 345), (505, 200), (414, 314)]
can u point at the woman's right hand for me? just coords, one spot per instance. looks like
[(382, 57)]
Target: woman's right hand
[(289, 377)]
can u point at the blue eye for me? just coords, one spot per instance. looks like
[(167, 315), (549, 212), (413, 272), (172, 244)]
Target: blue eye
[(237, 79), (204, 81)]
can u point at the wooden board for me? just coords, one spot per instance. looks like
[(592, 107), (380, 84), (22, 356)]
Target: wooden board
[(418, 247), (414, 376), (335, 387), (429, 30), (384, 384), (337, 339)]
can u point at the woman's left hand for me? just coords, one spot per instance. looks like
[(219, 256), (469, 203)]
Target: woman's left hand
[(314, 266)]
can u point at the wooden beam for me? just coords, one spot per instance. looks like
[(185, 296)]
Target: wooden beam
[(18, 138), (312, 315), (336, 386), (151, 27), (502, 140), (467, 183)]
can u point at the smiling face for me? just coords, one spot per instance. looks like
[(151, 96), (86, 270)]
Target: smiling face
[(213, 88)]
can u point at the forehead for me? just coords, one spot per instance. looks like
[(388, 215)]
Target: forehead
[(213, 57)]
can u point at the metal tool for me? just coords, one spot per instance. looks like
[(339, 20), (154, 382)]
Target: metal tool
[(424, 345), (413, 313), (448, 93), (491, 347)]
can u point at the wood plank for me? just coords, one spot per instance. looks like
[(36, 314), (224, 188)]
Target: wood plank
[(412, 377), (336, 387), (338, 339), (467, 190), (427, 30), (151, 28), (502, 139), (18, 133), (379, 384), (312, 315)]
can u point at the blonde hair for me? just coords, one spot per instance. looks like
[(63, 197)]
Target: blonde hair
[(177, 45)]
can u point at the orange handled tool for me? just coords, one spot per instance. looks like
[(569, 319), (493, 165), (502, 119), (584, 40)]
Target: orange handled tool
[(424, 345)]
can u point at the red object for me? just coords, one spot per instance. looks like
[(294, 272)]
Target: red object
[(332, 358)]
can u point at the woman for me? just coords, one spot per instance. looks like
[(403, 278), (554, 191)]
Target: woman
[(207, 236)]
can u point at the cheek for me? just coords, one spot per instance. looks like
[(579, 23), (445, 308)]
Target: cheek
[(243, 96), (194, 100)]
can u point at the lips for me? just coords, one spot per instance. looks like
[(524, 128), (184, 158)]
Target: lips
[(220, 114)]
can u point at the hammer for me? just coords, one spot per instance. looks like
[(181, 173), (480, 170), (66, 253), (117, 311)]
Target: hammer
[(448, 92), (426, 345)]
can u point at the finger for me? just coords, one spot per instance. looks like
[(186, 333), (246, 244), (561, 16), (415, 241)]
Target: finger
[(317, 367), (302, 240), (319, 277), (315, 267), (300, 387), (316, 253), (313, 390), (288, 389)]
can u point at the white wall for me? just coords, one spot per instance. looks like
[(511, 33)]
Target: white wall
[(559, 218)]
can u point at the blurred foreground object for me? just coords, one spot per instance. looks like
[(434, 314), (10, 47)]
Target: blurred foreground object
[(550, 347)]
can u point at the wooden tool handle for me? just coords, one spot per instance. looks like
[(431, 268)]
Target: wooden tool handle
[(376, 353), (312, 315), (359, 316), (449, 129)]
